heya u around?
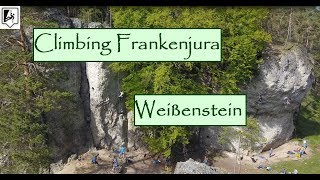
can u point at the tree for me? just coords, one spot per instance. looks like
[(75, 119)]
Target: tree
[(245, 137), (89, 14), (243, 40), (26, 94)]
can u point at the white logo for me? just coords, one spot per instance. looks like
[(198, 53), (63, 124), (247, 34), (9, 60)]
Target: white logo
[(10, 17)]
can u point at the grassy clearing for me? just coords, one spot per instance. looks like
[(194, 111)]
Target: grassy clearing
[(308, 127)]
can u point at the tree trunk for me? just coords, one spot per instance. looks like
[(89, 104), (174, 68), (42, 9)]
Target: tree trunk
[(25, 62), (289, 28)]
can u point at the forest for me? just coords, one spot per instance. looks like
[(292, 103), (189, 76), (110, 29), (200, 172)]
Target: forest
[(31, 91)]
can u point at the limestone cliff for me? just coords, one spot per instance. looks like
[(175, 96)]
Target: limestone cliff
[(275, 94)]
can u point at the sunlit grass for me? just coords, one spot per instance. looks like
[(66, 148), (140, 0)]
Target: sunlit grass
[(308, 127)]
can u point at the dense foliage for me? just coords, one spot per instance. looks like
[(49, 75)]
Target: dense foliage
[(27, 92), (243, 40)]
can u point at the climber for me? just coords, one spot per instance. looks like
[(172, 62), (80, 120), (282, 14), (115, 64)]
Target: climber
[(95, 159), (121, 94), (122, 151), (288, 100), (260, 98)]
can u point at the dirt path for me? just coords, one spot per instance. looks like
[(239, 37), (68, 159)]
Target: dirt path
[(140, 164), (143, 165)]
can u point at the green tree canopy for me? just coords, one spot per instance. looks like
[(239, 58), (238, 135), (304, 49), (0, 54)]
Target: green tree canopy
[(243, 39)]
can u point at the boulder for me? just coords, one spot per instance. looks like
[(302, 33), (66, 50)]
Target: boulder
[(72, 157), (95, 25), (76, 22), (56, 167), (194, 167)]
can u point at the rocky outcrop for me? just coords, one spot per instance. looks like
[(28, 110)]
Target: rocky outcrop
[(56, 167), (69, 126), (98, 118), (69, 129), (77, 23), (134, 134), (275, 94), (58, 16), (108, 119), (109, 125), (194, 167), (95, 25)]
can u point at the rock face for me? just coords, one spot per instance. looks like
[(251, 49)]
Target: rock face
[(108, 121), (57, 15), (99, 118), (134, 134), (56, 167), (275, 94), (69, 127), (94, 25), (77, 23), (193, 167)]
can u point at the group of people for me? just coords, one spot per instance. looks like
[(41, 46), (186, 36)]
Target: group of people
[(167, 162), (115, 163), (299, 152), (302, 150)]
